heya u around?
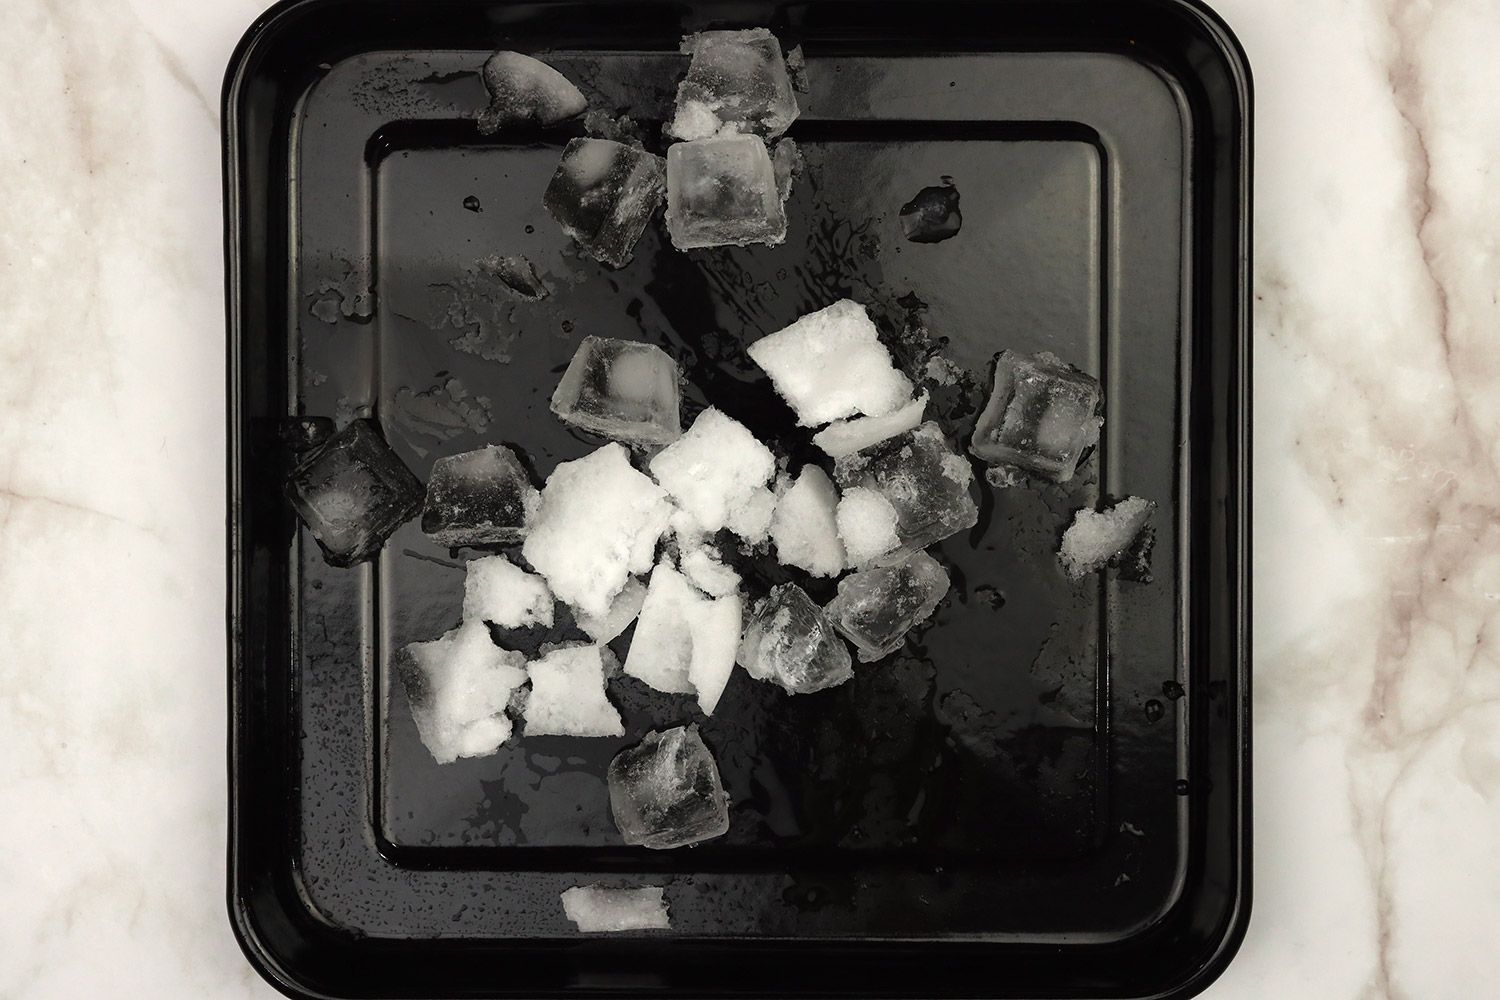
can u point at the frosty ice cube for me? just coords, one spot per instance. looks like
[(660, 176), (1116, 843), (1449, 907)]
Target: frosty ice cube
[(791, 642), (603, 194), (459, 686), (497, 590), (1097, 539), (1041, 416), (805, 525), (875, 608), (524, 91), (621, 389), (665, 791), (352, 492), (685, 642), (481, 497), (923, 478), (737, 81), (717, 472), (567, 694), (722, 192), (597, 908), (867, 524)]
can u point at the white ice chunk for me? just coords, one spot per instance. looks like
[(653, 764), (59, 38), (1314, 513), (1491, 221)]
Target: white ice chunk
[(867, 525), (1096, 537), (623, 610), (707, 572), (831, 364), (805, 526), (597, 908), (684, 641), (844, 437), (459, 686), (567, 694), (598, 523), (717, 472), (524, 90), (497, 590)]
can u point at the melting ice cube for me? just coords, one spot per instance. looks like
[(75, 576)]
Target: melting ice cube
[(459, 686), (685, 642), (497, 590), (352, 492), (665, 791), (567, 694), (717, 472), (621, 389), (790, 641), (923, 479), (805, 525), (737, 81), (722, 192), (876, 607), (1041, 416), (933, 215), (524, 91), (1096, 539), (603, 194), (481, 497), (597, 908)]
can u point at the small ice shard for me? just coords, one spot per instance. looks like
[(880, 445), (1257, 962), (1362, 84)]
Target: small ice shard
[(796, 69), (685, 642), (352, 492), (665, 791), (845, 437), (598, 522), (621, 389), (1041, 417), (516, 275), (1097, 539), (790, 641), (787, 163), (599, 909), (717, 473), (830, 364), (722, 192), (497, 590), (526, 91), (567, 694), (876, 607), (736, 82), (459, 687), (923, 478), (603, 194), (867, 525), (702, 566), (805, 525), (933, 215), (623, 610), (481, 497)]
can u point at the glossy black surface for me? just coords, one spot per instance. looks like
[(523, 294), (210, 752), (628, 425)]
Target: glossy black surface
[(1045, 793)]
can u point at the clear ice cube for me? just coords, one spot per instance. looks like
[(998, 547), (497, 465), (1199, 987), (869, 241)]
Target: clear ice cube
[(459, 687), (923, 478), (722, 192), (790, 641), (526, 91), (737, 81), (876, 607), (1042, 415), (622, 389), (665, 791), (352, 492), (482, 497), (603, 194)]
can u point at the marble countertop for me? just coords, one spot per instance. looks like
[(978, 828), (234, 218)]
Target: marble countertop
[(1377, 547)]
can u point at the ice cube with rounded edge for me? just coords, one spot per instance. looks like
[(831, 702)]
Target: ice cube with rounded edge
[(685, 641), (1042, 415), (622, 389), (481, 497), (845, 437), (603, 194), (876, 607), (717, 473), (830, 364), (925, 480), (353, 492), (1096, 538), (601, 909), (597, 524), (867, 525), (737, 81), (666, 792), (526, 91), (497, 590), (623, 610), (805, 525), (459, 686), (568, 696), (722, 192), (790, 642)]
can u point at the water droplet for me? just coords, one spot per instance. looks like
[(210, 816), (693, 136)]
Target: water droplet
[(567, 326), (530, 229), (1172, 690), (1182, 786), (472, 204), (1154, 710)]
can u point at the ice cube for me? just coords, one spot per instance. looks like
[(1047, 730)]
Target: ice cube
[(805, 526), (352, 492), (685, 642), (598, 522), (526, 91), (1041, 416), (567, 694), (665, 791), (933, 215), (867, 525), (603, 194), (621, 389), (831, 364), (459, 686), (481, 497), (717, 473), (1096, 539), (845, 437), (623, 610), (923, 478), (497, 590), (703, 567), (722, 192), (597, 908), (736, 82), (876, 607), (790, 641)]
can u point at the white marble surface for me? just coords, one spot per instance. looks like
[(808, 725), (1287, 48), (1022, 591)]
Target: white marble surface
[(1377, 552)]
